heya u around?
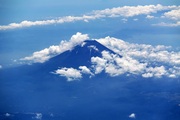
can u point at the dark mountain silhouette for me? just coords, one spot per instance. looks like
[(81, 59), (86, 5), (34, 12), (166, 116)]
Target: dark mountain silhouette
[(30, 89)]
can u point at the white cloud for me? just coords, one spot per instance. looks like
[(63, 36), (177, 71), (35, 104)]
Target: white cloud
[(139, 59), (173, 14), (125, 11), (148, 60), (47, 53), (70, 73), (130, 11), (0, 66), (133, 115), (99, 64), (66, 19), (115, 65), (142, 52), (73, 74), (85, 70), (38, 116), (156, 71), (149, 17)]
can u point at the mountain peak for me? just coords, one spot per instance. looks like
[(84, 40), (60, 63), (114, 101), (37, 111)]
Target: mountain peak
[(80, 55)]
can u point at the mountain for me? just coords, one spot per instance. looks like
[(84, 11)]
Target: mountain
[(40, 91), (80, 55)]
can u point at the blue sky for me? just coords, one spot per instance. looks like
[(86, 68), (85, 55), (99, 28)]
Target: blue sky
[(154, 28), (138, 67)]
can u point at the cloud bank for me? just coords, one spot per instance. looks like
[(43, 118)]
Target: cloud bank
[(47, 53), (125, 11), (138, 59)]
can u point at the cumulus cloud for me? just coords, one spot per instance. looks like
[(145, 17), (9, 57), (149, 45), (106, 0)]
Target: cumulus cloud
[(156, 71), (125, 11), (73, 74), (143, 52), (47, 53), (115, 65), (129, 58), (130, 11), (85, 70), (70, 73), (147, 60), (173, 14), (133, 115), (99, 64)]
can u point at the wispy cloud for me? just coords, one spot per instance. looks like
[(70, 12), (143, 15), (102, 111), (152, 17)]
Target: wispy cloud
[(165, 24), (125, 11), (130, 11)]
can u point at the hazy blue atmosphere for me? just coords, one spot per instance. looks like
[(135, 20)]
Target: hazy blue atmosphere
[(90, 60)]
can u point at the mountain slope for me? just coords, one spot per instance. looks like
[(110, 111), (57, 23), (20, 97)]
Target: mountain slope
[(37, 92), (80, 56)]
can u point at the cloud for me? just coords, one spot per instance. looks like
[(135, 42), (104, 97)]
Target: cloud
[(149, 17), (133, 115), (156, 71), (130, 11), (142, 52), (70, 73), (173, 14), (99, 64), (0, 66), (115, 65), (85, 70), (47, 53), (141, 59), (176, 24), (66, 19), (129, 58), (73, 74), (125, 11), (7, 115), (38, 116)]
